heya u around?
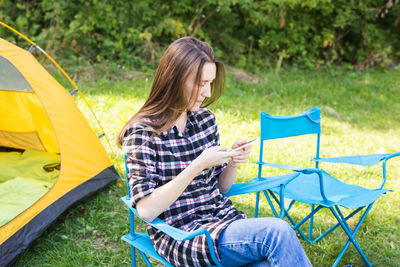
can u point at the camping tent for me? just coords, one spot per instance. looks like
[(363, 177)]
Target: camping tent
[(49, 156)]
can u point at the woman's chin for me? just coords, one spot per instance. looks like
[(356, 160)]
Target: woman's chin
[(195, 108)]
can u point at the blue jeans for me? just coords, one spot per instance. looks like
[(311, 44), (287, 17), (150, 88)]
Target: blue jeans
[(261, 242)]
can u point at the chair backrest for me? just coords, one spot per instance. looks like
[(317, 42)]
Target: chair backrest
[(308, 122), (274, 127)]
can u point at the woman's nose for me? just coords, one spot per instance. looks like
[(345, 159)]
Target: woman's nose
[(206, 90)]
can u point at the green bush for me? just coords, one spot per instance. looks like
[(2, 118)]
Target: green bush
[(249, 34)]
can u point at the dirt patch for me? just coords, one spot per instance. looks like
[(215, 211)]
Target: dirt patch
[(241, 76), (98, 242), (330, 111), (132, 74)]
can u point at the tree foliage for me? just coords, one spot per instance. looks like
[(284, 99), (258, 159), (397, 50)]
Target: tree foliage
[(248, 33)]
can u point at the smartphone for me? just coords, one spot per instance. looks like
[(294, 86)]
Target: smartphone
[(249, 143)]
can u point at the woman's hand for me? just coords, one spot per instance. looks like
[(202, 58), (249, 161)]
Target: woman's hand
[(243, 154), (214, 156)]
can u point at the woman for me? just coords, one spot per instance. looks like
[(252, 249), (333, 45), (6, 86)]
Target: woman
[(178, 170)]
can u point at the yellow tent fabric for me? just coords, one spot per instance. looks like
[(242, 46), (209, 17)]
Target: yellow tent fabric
[(47, 119), (25, 107)]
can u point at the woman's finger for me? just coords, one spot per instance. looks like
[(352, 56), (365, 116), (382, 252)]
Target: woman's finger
[(238, 143), (220, 148), (243, 154), (240, 159)]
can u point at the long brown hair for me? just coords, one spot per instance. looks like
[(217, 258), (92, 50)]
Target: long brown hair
[(167, 99)]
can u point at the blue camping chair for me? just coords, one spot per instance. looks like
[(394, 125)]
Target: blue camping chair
[(315, 186), (142, 242)]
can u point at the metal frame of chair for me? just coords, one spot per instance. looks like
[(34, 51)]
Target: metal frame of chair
[(308, 122), (142, 242)]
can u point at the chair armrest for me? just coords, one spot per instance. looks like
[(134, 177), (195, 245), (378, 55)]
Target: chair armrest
[(159, 224), (173, 232), (288, 167), (271, 182), (362, 160), (176, 233)]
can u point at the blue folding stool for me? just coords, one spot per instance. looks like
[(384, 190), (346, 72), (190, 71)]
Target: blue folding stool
[(142, 242), (315, 186)]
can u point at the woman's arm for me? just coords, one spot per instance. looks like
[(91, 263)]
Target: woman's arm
[(164, 196), (227, 178), (229, 174)]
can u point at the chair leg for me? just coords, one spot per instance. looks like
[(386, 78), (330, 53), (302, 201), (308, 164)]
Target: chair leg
[(282, 203), (132, 231), (335, 226), (146, 260), (133, 256), (351, 234), (286, 210), (271, 205), (310, 229), (257, 203), (297, 226)]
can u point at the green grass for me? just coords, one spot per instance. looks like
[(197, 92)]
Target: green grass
[(360, 115)]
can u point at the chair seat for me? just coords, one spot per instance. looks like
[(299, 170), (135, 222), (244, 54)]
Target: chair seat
[(305, 188)]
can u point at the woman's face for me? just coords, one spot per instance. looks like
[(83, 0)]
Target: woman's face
[(207, 77)]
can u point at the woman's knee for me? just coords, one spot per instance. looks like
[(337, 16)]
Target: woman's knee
[(284, 248), (280, 226), (278, 231)]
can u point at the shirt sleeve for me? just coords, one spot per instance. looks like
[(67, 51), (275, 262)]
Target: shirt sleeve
[(213, 121), (141, 160)]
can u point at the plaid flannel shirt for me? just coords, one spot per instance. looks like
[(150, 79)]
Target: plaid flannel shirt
[(155, 160)]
